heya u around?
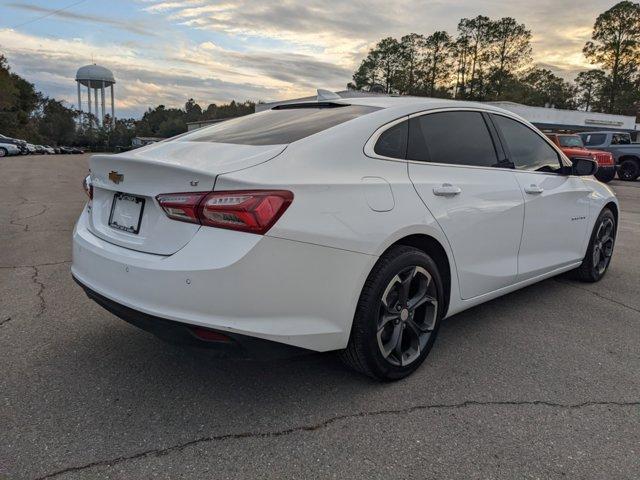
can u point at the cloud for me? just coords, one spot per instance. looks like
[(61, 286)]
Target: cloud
[(69, 15), (208, 75), (341, 32), (216, 51)]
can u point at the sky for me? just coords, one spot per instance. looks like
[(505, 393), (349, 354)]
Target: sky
[(166, 51)]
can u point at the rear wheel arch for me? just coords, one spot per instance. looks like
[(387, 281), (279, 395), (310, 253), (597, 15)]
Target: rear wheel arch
[(614, 209), (436, 251), (628, 157)]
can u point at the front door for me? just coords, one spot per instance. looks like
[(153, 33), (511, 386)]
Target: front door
[(556, 205)]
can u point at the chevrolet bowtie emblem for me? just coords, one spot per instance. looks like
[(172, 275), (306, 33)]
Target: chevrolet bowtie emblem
[(116, 177)]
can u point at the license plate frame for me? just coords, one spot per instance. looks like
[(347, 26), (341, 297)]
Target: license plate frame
[(122, 213)]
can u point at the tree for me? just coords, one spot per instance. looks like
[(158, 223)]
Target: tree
[(366, 74), (545, 89), (462, 53), (589, 88), (437, 61), (509, 49), (382, 65), (411, 71), (8, 91), (615, 46), (475, 33), (193, 111), (57, 124)]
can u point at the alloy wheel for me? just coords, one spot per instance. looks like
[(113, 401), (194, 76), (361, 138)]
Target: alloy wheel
[(603, 245), (407, 315)]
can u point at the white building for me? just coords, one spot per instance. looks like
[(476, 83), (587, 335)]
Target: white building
[(570, 120)]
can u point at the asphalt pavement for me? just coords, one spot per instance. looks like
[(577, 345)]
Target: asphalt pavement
[(542, 383)]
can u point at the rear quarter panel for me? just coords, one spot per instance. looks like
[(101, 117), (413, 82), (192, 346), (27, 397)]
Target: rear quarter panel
[(336, 190)]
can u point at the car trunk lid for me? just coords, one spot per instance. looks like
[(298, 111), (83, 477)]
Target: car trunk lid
[(124, 210)]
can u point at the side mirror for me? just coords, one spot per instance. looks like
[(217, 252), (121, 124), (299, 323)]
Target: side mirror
[(583, 166)]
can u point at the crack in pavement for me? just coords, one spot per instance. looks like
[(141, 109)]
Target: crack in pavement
[(6, 320), (39, 293), (36, 265), (326, 423), (26, 225), (599, 295)]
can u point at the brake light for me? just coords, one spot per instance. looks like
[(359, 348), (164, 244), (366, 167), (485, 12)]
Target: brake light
[(253, 211), (181, 206), (88, 186)]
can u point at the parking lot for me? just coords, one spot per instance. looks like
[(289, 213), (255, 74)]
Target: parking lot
[(542, 383)]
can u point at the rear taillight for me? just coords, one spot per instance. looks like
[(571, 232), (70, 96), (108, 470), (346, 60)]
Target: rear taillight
[(88, 186), (252, 211)]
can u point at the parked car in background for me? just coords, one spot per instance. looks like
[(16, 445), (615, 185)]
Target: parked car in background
[(354, 225), (31, 148), (21, 144), (7, 149), (48, 150), (573, 146), (65, 150), (77, 150), (619, 144)]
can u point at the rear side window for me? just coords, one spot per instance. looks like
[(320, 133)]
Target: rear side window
[(393, 141), (285, 124), (591, 139), (620, 139), (460, 138), (528, 151)]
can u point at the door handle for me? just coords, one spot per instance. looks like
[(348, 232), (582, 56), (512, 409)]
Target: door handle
[(447, 190), (533, 189)]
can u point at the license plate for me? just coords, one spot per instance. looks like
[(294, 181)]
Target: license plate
[(126, 213)]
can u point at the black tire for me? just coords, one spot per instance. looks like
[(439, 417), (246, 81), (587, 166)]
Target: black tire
[(606, 175), (629, 170), (3, 152), (591, 270), (381, 303)]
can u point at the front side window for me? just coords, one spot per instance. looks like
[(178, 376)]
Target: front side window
[(591, 139), (528, 151), (280, 125), (458, 138), (570, 141)]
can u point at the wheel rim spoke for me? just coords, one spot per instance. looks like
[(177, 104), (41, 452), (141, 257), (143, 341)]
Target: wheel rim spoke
[(408, 313), (603, 246), (405, 287)]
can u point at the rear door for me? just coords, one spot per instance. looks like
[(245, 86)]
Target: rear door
[(456, 169), (556, 204)]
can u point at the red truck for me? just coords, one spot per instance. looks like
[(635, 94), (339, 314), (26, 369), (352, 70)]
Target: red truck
[(572, 146)]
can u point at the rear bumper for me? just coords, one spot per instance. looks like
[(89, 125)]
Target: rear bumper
[(290, 292), (236, 346)]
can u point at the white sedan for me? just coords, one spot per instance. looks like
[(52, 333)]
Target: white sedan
[(355, 225)]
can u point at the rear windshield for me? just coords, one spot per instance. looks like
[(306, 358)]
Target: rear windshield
[(285, 124)]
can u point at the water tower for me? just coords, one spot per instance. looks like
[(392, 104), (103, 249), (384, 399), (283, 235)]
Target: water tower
[(96, 78)]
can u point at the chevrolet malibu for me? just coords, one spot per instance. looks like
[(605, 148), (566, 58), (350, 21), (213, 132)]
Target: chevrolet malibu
[(353, 225)]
